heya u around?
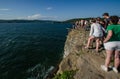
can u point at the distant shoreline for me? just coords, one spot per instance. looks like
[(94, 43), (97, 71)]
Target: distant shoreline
[(28, 21), (46, 21), (39, 21)]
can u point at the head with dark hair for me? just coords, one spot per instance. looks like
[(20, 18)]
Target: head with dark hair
[(93, 20), (98, 18), (106, 15), (114, 19)]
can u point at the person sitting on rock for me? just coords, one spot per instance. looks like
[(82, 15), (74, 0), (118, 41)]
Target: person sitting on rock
[(112, 44), (95, 33)]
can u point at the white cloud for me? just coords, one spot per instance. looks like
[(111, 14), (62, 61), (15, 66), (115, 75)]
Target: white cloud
[(49, 8), (38, 17), (4, 9), (35, 16)]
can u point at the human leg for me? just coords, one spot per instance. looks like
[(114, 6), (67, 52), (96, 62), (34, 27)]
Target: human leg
[(108, 57), (117, 59), (107, 60), (89, 41), (97, 44)]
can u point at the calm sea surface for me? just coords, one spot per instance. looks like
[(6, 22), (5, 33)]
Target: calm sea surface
[(30, 50)]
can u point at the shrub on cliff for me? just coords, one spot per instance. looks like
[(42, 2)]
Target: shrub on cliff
[(65, 75)]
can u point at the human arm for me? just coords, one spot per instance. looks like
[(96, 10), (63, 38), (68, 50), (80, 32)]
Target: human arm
[(91, 30), (109, 35), (104, 30)]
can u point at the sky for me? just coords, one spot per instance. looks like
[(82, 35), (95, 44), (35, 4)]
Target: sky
[(57, 9)]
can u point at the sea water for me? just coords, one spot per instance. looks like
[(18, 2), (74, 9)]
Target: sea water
[(30, 50)]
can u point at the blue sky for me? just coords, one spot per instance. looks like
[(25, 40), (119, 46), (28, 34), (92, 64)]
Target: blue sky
[(57, 9)]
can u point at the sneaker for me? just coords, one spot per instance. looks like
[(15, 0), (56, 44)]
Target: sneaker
[(115, 70), (103, 67)]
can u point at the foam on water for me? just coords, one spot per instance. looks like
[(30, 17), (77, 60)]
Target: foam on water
[(36, 73)]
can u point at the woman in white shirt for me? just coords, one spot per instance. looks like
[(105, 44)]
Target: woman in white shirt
[(96, 33)]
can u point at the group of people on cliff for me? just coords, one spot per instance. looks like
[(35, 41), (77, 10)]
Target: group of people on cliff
[(81, 23), (86, 23), (106, 32)]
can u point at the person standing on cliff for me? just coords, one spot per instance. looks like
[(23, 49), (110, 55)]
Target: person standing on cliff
[(112, 44), (95, 33), (106, 19), (82, 23)]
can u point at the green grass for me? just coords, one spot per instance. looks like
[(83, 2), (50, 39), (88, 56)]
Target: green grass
[(65, 75)]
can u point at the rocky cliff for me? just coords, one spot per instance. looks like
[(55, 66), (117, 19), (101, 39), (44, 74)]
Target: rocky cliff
[(86, 62)]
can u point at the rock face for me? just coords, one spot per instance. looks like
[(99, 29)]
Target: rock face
[(85, 61)]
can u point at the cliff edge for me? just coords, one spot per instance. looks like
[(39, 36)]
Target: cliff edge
[(86, 62)]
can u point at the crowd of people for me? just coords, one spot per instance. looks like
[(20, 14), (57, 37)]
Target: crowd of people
[(104, 31), (82, 24)]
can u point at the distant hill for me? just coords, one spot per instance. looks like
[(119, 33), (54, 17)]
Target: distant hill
[(27, 21), (39, 21), (47, 21)]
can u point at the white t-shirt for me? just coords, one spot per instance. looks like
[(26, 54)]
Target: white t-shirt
[(96, 30)]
